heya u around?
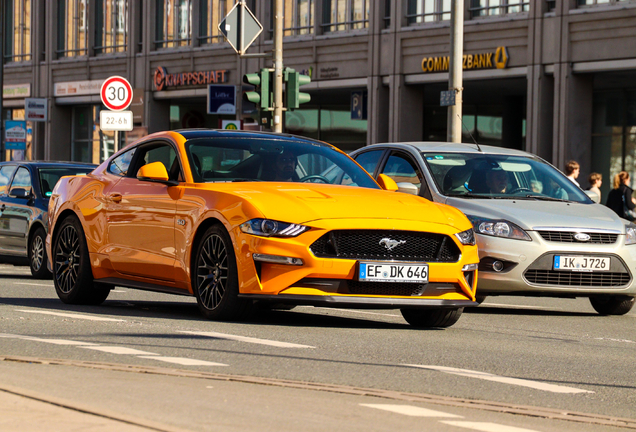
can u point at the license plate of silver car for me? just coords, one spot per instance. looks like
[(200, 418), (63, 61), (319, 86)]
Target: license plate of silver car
[(392, 272), (581, 263)]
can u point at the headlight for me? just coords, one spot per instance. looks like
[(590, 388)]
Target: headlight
[(630, 234), (466, 237), (272, 228), (499, 228)]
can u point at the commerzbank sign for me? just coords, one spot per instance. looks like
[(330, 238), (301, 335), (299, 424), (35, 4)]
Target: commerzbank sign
[(497, 59)]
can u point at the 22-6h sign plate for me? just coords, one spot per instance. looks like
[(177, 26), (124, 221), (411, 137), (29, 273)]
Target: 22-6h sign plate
[(116, 93)]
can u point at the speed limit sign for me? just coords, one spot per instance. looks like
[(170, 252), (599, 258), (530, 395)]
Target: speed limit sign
[(116, 93)]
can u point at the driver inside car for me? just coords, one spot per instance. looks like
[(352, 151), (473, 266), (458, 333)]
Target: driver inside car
[(285, 167), (497, 181)]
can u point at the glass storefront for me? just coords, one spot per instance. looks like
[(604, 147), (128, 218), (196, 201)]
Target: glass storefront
[(614, 135), (89, 143)]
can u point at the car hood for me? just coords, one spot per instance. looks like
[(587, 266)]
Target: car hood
[(306, 202), (532, 214)]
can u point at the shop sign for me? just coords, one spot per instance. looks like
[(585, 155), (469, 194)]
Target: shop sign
[(35, 109), (329, 72), (14, 91), (221, 99), (231, 124), (77, 88), (15, 135), (488, 60), (163, 79)]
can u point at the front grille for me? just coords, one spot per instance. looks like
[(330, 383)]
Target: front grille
[(564, 278), (568, 237), (385, 289), (366, 244)]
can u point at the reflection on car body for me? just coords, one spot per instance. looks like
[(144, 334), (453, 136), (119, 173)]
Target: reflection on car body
[(529, 219), (25, 188), (238, 219)]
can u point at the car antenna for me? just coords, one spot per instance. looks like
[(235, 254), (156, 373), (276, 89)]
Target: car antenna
[(469, 133)]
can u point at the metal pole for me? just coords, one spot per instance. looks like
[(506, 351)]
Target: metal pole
[(2, 80), (278, 66), (454, 133)]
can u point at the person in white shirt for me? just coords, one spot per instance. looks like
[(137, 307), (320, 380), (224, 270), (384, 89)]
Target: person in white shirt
[(596, 180), (572, 169)]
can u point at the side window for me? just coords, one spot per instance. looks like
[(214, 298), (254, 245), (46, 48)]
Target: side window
[(369, 160), (163, 153), (402, 170), (5, 176), (22, 180), (120, 164)]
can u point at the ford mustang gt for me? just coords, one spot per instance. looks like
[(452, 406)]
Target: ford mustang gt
[(239, 219)]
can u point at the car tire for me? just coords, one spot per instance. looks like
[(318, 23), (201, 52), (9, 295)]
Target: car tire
[(37, 255), (72, 273), (480, 299), (215, 277), (426, 318), (612, 305)]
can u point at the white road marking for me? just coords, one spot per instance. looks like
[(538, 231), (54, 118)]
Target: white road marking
[(183, 361), (34, 284), (505, 380), (71, 315), (360, 312), (51, 341), (119, 350), (247, 339), (615, 340), (118, 291), (485, 427), (522, 306), (412, 411)]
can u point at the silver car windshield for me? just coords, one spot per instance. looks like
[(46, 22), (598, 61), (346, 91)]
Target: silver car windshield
[(500, 177)]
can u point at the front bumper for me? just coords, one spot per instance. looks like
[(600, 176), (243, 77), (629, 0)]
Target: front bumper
[(527, 268), (333, 281)]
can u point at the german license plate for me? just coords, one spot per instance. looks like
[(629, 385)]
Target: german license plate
[(392, 272), (581, 263)]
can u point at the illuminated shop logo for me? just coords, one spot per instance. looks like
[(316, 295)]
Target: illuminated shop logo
[(488, 60), (163, 79)]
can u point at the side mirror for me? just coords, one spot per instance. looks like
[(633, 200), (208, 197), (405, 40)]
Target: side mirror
[(155, 172), (593, 196), (19, 193), (408, 188), (387, 183)]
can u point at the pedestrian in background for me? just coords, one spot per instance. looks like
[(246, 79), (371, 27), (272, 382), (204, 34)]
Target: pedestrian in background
[(596, 180), (572, 169), (620, 198)]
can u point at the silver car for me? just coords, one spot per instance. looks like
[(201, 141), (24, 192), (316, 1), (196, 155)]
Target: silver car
[(538, 233)]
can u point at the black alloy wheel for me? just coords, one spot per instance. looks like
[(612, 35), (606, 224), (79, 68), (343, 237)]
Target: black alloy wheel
[(73, 276), (37, 255), (215, 278)]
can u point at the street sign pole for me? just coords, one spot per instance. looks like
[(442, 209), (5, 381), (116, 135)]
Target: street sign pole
[(455, 84), (278, 66)]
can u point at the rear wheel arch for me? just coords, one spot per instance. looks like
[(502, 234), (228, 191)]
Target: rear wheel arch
[(60, 218)]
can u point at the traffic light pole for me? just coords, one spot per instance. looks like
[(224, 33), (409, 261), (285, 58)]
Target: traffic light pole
[(454, 125), (278, 66)]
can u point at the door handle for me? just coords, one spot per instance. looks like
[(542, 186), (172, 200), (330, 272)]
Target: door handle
[(115, 197)]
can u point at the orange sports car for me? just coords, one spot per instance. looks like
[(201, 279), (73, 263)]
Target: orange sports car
[(239, 219)]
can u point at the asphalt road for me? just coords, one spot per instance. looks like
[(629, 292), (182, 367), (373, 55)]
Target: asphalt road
[(148, 361)]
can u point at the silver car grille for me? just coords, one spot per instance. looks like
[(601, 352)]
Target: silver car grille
[(579, 279), (568, 237)]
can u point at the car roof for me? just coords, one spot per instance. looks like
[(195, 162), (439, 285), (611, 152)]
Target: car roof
[(39, 164), (222, 133), (446, 147)]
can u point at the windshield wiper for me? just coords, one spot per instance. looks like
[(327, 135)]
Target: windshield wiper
[(472, 195), (547, 198), (245, 180)]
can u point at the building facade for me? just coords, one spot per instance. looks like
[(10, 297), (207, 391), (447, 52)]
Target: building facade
[(555, 78)]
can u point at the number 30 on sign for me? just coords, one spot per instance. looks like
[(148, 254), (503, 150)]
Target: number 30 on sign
[(116, 93)]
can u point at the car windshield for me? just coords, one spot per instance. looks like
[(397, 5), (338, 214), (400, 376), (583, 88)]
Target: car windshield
[(257, 159), (50, 176), (501, 177)]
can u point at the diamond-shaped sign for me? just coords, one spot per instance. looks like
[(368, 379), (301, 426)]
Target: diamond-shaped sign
[(240, 27)]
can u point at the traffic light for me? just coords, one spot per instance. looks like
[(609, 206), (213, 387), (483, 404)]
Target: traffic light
[(261, 95), (293, 81)]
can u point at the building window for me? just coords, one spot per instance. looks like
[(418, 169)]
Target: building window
[(420, 11), (387, 14), (479, 8), (17, 30), (174, 23), (111, 26), (551, 5), (212, 13), (600, 2), (298, 17), (72, 28), (340, 15)]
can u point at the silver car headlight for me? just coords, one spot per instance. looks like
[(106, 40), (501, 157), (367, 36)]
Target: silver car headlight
[(630, 234), (272, 228), (466, 237), (498, 228)]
